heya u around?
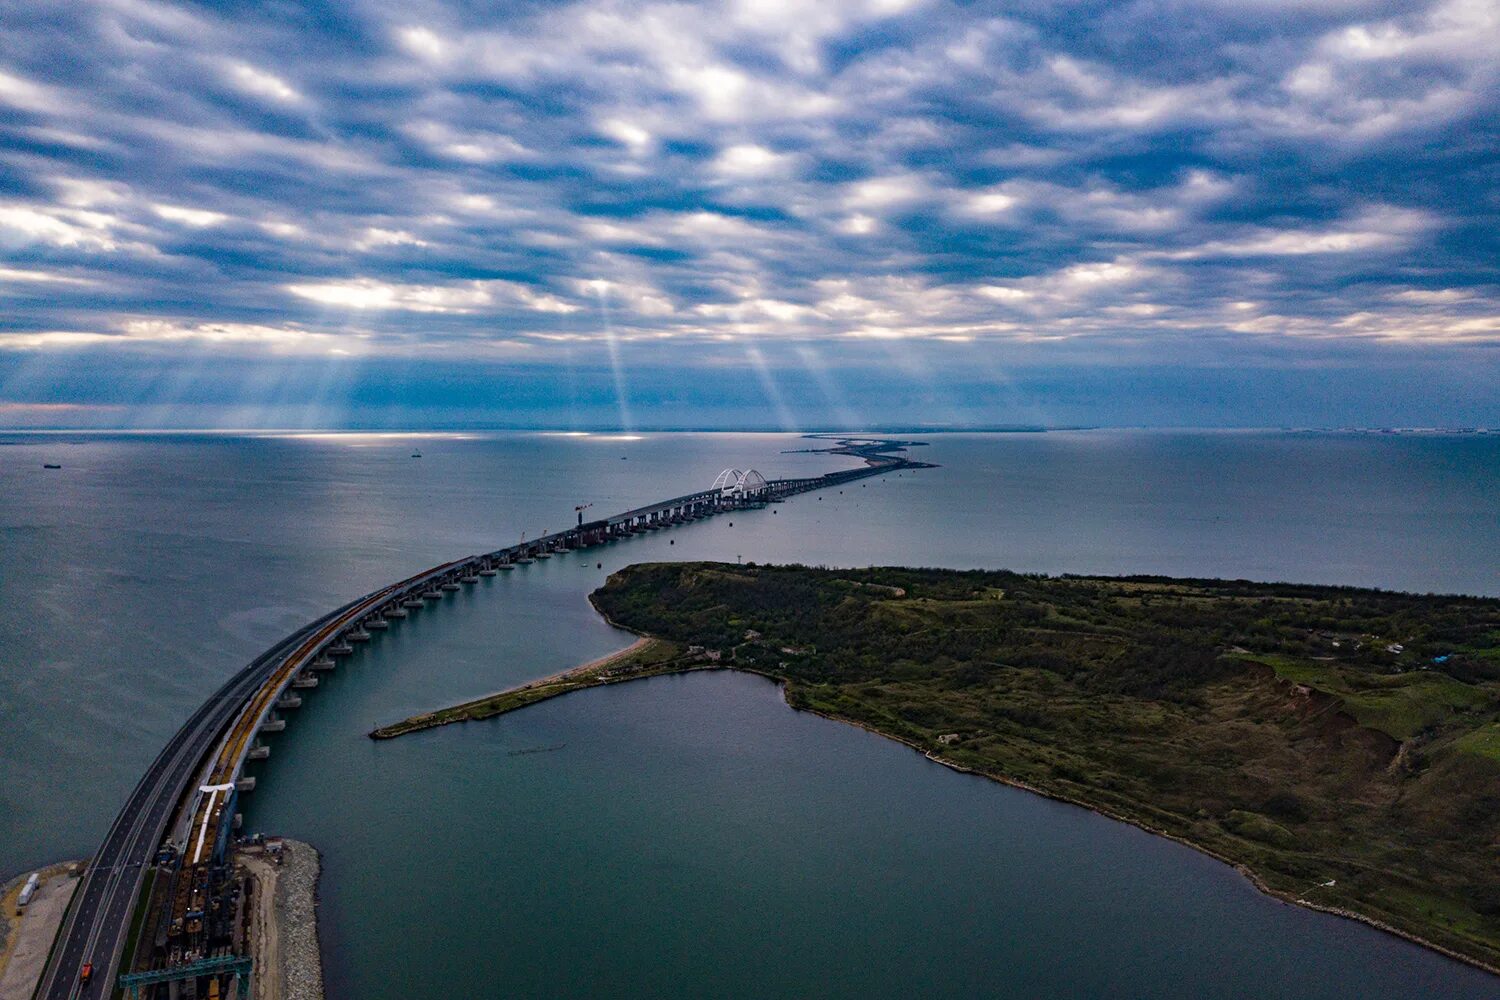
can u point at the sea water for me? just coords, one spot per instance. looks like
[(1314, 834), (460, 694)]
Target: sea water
[(690, 836)]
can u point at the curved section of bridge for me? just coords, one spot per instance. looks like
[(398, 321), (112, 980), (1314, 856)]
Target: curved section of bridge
[(181, 816)]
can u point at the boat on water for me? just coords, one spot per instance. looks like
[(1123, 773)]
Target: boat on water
[(416, 454), (50, 465)]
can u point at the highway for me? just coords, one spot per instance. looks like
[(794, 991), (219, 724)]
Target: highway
[(99, 918), (214, 741)]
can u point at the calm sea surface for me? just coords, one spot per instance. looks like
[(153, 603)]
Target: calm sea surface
[(679, 837)]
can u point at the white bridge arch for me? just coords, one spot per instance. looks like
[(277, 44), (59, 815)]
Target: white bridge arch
[(734, 483)]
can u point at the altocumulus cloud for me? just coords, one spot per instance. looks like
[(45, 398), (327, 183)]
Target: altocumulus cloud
[(785, 195)]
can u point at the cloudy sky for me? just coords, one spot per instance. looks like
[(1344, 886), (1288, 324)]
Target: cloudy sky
[(750, 213)]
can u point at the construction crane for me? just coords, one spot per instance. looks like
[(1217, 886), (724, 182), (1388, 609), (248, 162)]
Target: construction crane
[(579, 511)]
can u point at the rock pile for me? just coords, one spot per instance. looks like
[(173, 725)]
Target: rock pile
[(296, 905)]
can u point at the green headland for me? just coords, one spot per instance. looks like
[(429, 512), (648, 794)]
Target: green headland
[(1340, 745)]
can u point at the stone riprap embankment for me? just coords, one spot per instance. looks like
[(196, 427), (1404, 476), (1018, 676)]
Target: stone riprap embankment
[(284, 936)]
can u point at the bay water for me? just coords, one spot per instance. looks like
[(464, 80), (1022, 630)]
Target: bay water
[(691, 836)]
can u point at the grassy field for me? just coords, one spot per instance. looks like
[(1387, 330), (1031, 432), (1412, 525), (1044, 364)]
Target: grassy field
[(1308, 734)]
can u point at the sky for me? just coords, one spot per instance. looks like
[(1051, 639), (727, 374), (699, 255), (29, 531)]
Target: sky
[(750, 213)]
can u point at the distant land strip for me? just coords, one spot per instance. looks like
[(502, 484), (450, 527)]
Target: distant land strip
[(639, 655)]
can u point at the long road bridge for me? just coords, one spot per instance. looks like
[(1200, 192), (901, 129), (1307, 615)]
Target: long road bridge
[(180, 818)]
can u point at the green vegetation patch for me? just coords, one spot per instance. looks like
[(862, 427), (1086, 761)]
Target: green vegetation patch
[(1401, 704), (1257, 827), (1408, 704), (138, 919), (1315, 735), (1482, 742)]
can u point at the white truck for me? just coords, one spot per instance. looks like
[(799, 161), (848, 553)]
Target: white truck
[(27, 891)]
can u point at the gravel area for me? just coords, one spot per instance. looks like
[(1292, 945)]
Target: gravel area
[(284, 938), (297, 906), (26, 941)]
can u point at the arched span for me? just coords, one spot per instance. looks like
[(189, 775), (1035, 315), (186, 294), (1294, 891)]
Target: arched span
[(734, 483)]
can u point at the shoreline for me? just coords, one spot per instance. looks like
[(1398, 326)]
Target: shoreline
[(581, 681), (283, 933), (22, 955), (1248, 873), (1245, 871), (483, 707)]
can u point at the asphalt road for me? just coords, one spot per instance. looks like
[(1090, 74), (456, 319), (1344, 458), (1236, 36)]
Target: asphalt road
[(99, 920)]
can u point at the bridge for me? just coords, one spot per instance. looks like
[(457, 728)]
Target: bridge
[(180, 819)]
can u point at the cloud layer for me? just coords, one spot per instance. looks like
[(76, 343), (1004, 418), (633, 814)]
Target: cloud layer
[(743, 180)]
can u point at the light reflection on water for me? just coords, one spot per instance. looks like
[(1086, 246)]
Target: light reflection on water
[(694, 837)]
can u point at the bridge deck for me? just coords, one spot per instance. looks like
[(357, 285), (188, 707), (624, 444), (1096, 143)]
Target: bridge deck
[(216, 741)]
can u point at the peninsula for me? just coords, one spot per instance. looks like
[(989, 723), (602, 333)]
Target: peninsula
[(1340, 746)]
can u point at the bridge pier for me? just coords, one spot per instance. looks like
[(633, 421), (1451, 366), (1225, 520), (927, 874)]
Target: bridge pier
[(280, 676)]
